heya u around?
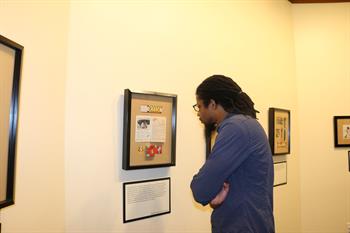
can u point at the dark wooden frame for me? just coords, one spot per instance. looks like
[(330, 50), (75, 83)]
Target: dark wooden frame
[(13, 119), (337, 133), (128, 97), (148, 216), (272, 127)]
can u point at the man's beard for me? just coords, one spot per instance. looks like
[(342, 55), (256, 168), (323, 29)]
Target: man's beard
[(209, 128)]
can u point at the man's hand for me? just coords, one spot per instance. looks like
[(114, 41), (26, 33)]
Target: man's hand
[(220, 198)]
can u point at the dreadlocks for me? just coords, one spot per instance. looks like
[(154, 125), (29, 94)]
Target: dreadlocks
[(224, 91)]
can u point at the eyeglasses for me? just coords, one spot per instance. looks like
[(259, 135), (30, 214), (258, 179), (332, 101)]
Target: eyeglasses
[(196, 108)]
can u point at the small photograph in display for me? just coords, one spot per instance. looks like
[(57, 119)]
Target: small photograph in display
[(346, 131)]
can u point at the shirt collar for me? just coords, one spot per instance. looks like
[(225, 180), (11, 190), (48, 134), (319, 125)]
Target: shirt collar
[(229, 115)]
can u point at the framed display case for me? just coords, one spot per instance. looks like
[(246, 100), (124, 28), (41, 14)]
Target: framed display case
[(279, 131), (341, 126), (149, 130), (10, 69)]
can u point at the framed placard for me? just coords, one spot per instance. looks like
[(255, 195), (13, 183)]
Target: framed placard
[(280, 171), (145, 199), (149, 130), (341, 131), (10, 69), (349, 159), (279, 131)]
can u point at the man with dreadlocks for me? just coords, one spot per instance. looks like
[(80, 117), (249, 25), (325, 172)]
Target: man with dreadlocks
[(237, 178)]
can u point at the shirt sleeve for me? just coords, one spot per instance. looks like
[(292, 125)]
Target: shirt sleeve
[(229, 152)]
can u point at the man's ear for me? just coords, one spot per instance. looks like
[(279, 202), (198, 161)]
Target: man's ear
[(212, 103)]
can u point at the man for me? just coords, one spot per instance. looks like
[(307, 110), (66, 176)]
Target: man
[(237, 178)]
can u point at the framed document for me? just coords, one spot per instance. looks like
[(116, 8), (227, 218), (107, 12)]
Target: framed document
[(349, 159), (280, 171), (149, 130), (279, 131), (10, 69), (145, 199), (341, 126)]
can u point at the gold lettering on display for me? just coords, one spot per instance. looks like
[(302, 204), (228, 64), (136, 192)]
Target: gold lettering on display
[(154, 108)]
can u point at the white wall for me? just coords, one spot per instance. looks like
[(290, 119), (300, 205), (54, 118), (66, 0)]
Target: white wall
[(167, 47), (322, 38), (80, 56), (39, 190)]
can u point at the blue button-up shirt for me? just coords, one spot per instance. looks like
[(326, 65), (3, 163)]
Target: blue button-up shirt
[(241, 157)]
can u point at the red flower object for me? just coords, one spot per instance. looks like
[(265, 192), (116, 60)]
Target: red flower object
[(152, 150)]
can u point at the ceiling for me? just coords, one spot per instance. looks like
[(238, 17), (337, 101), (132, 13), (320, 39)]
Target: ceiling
[(317, 1)]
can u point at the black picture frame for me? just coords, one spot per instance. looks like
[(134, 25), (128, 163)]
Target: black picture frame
[(279, 131), (341, 125), (145, 192), (11, 56), (281, 174), (139, 152)]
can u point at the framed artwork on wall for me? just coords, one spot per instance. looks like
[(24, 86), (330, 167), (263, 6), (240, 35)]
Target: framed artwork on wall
[(279, 131), (149, 130), (341, 126), (10, 69)]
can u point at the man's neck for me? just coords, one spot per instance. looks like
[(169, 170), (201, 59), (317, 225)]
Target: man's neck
[(221, 115)]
